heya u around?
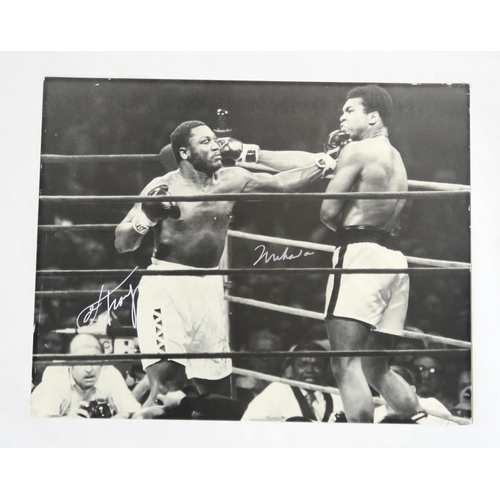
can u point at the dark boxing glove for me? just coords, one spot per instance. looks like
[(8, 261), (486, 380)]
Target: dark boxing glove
[(157, 211), (232, 149), (336, 141), (327, 161), (154, 212)]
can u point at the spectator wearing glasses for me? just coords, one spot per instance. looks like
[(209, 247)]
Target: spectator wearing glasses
[(431, 379), (83, 391)]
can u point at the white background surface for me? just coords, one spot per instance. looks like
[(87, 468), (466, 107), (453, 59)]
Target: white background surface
[(195, 26)]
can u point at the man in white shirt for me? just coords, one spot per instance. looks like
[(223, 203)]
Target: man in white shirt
[(281, 402), (66, 391)]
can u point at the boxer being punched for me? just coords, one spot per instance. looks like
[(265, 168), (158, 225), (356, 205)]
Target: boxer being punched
[(178, 314), (366, 234)]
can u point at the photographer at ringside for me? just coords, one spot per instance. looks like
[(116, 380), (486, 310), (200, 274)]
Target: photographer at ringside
[(83, 391)]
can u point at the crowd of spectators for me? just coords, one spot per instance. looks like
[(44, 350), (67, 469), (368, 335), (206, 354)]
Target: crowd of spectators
[(95, 391)]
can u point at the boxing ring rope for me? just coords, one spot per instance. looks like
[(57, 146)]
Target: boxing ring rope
[(80, 359), (256, 237), (330, 248), (260, 304), (372, 195), (304, 313), (76, 227), (48, 159), (437, 186), (72, 359), (335, 391), (51, 159), (115, 273)]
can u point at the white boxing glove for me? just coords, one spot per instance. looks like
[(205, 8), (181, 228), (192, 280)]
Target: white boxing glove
[(327, 164), (232, 149)]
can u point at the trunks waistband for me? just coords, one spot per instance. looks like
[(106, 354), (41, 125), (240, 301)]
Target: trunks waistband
[(366, 234)]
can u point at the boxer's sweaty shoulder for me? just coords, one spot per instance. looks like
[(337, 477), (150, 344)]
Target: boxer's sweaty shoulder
[(381, 170), (382, 167)]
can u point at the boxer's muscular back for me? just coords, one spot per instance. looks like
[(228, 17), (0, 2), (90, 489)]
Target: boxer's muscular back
[(383, 170)]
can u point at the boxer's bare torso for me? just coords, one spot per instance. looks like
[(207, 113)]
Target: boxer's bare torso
[(368, 164), (379, 168), (197, 237)]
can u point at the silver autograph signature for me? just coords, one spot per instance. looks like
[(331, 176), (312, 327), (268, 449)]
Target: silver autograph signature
[(268, 257), (90, 312)]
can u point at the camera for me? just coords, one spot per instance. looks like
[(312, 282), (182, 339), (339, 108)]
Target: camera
[(99, 409)]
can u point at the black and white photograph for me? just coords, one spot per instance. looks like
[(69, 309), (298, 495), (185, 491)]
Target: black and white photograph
[(255, 251)]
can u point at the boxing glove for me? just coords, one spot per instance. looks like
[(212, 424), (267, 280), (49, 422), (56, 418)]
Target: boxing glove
[(232, 149), (154, 212), (336, 141), (327, 161)]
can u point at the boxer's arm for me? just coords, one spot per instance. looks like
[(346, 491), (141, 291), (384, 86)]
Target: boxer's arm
[(348, 168), (282, 161), (250, 156), (286, 160), (127, 238), (278, 161), (288, 181)]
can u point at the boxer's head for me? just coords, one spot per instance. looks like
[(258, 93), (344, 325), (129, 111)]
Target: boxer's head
[(196, 143), (374, 98), (366, 108), (85, 376)]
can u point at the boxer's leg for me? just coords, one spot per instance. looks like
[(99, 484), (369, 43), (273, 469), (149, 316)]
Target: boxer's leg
[(345, 335)]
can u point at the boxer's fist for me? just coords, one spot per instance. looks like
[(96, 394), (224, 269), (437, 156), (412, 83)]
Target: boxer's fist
[(157, 211), (336, 141), (326, 164), (154, 212), (232, 149), (327, 161)]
